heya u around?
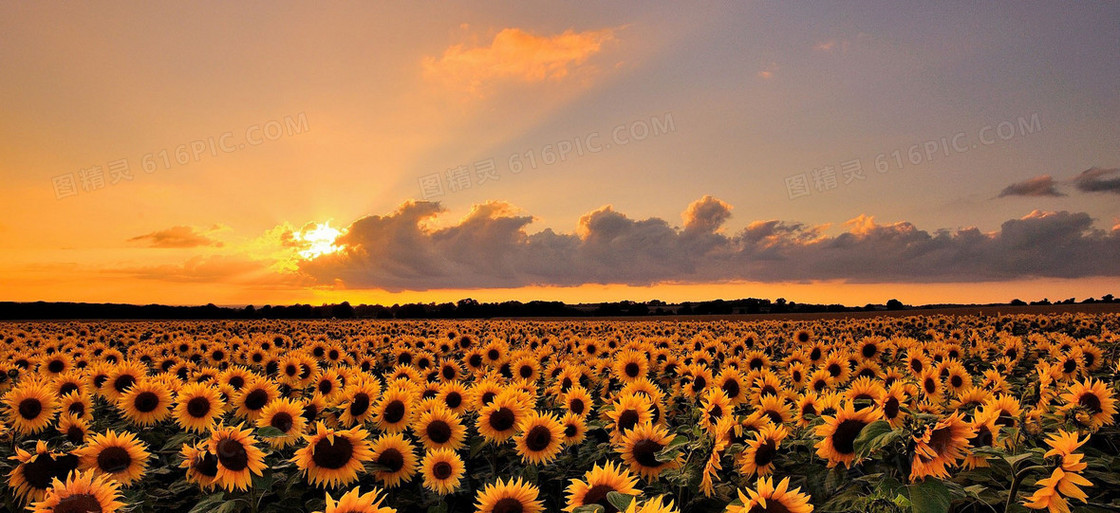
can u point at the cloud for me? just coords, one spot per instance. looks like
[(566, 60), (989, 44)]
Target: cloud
[(231, 268), (178, 237), (516, 55), (491, 247), (1097, 179), (1037, 186)]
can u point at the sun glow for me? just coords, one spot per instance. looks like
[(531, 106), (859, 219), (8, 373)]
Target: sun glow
[(317, 241)]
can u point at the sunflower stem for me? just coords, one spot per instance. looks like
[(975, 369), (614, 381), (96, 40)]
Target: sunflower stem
[(1016, 480)]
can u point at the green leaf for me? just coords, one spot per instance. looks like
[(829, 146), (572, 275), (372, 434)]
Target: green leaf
[(589, 508), (269, 432), (872, 436), (664, 456), (929, 496), (619, 500), (677, 441), (210, 503), (441, 507)]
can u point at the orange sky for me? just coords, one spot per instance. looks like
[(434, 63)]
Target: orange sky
[(167, 154)]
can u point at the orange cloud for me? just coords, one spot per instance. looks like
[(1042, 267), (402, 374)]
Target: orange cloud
[(516, 55), (178, 237)]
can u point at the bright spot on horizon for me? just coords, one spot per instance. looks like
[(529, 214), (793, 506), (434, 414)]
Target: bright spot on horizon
[(318, 241)]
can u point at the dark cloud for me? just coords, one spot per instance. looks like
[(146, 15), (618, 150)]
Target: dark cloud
[(491, 247), (1037, 186), (1097, 179), (176, 237)]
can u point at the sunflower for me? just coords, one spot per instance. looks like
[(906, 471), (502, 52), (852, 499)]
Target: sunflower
[(201, 465), (939, 446), (440, 428), (575, 429), (122, 376), (329, 386), (839, 432), (576, 400), (393, 412), (630, 365), (629, 410), (453, 395), (540, 438), (654, 505), (986, 434), (1094, 399), (284, 415), (396, 459), (145, 403), (120, 455), (442, 470), (639, 447), (31, 407), (512, 496), (253, 397), (238, 457), (77, 404), (81, 492), (33, 473), (352, 502), (357, 400), (333, 457), (597, 483), (759, 454), (769, 498), (198, 407), (498, 421), (74, 428), (776, 409)]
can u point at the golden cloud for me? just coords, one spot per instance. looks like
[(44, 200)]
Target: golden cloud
[(516, 55)]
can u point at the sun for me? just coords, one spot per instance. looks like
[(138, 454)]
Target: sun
[(317, 240)]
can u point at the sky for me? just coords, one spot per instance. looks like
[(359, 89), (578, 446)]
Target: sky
[(275, 153)]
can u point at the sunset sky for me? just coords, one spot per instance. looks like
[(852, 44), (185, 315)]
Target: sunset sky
[(269, 152)]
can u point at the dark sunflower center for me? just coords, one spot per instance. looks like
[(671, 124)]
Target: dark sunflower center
[(79, 503), (66, 388), (441, 470), (236, 382), (453, 400), (765, 454), (576, 406), (538, 438), (282, 421), (983, 438), (808, 409), (1069, 365), (198, 407), (391, 459), (844, 438), (30, 408), (123, 382), (394, 412), (75, 434), (956, 381), (598, 495), (475, 360), (256, 399), (645, 453), (146, 402), (869, 351), (941, 439), (39, 471), (359, 405), (56, 366), (891, 408), (488, 398), (113, 459), (333, 455), (207, 465), (508, 505), (731, 388), (232, 455), (438, 431), (931, 385), (1089, 401), (525, 371), (570, 430), (326, 386), (77, 408), (628, 420), (632, 369), (775, 417), (502, 420)]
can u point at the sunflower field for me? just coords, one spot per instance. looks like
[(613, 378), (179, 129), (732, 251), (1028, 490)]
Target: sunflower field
[(922, 413)]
